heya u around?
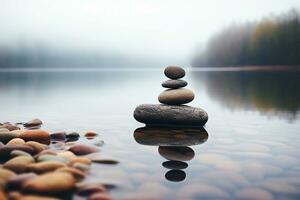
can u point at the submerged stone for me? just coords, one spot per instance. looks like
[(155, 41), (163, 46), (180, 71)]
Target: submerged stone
[(50, 183), (170, 136), (157, 114)]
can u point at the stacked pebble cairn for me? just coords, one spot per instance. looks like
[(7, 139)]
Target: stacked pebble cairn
[(172, 111), (37, 165)]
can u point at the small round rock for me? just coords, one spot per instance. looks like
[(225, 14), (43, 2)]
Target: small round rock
[(34, 122), (174, 72)]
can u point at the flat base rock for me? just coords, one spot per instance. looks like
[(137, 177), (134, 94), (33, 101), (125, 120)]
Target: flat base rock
[(160, 114)]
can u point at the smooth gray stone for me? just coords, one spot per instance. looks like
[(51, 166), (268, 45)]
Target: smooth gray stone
[(174, 72), (176, 96), (160, 114), (174, 84)]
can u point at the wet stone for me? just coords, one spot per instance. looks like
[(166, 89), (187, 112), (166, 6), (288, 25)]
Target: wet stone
[(72, 135), (6, 150), (36, 135), (6, 135), (81, 166), (16, 153), (38, 147), (17, 181), (90, 134), (50, 183), (58, 136), (16, 141), (174, 84), (6, 174), (33, 123), (46, 166), (83, 160), (10, 127), (158, 114), (44, 158), (81, 149), (76, 173), (18, 164)]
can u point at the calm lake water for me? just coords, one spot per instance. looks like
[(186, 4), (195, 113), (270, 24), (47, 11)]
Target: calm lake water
[(250, 150)]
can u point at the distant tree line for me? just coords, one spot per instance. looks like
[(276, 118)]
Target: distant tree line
[(271, 41)]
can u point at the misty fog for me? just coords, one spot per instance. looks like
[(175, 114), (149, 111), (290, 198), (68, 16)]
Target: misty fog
[(134, 33)]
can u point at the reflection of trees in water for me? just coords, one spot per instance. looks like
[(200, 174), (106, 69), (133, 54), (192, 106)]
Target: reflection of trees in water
[(267, 92)]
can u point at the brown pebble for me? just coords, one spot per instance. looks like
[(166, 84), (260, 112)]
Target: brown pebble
[(81, 166), (14, 195), (76, 173), (16, 141), (16, 153), (7, 149), (90, 134), (66, 154), (6, 174), (81, 149), (18, 164), (46, 152), (50, 183), (83, 160), (37, 197), (2, 195), (38, 135), (100, 196), (10, 127), (46, 166), (38, 147), (34, 122), (17, 181), (58, 136)]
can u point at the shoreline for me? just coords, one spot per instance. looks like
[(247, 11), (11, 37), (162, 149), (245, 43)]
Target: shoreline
[(204, 69)]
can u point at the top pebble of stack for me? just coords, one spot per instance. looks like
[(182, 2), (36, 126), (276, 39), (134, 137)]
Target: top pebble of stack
[(174, 72)]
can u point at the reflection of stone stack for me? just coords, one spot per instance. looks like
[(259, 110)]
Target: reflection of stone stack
[(173, 144), (172, 111)]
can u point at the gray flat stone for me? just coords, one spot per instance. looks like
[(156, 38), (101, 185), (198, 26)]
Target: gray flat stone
[(160, 114), (174, 84)]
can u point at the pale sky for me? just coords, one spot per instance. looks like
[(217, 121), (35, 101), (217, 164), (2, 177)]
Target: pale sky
[(157, 28)]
